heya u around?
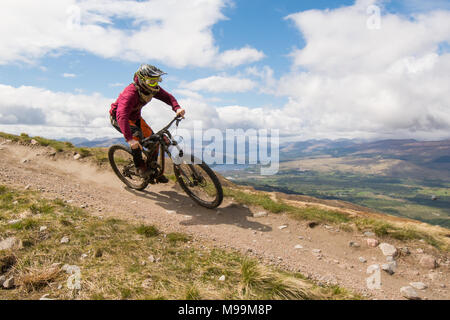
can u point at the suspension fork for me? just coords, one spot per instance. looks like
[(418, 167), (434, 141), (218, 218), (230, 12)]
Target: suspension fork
[(194, 175)]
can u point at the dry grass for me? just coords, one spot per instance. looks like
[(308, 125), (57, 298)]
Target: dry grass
[(383, 225), (120, 260), (257, 280), (34, 279)]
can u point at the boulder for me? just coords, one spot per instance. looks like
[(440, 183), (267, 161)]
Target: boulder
[(388, 249), (418, 285), (9, 283), (369, 234), (372, 242), (428, 261), (354, 244), (65, 239), (409, 293), (389, 267), (390, 259), (260, 214), (11, 243)]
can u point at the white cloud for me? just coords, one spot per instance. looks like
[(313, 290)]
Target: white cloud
[(69, 75), (221, 84), (237, 57), (350, 81), (59, 114), (188, 93), (44, 108), (178, 33), (347, 82)]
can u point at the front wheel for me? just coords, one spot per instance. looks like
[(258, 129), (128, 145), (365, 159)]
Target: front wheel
[(121, 161), (199, 182)]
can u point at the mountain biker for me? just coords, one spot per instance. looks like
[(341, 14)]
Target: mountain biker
[(125, 113)]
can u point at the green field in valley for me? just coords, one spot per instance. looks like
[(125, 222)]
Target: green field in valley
[(396, 196)]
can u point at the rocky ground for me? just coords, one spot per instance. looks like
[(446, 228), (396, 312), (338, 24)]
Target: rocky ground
[(324, 253)]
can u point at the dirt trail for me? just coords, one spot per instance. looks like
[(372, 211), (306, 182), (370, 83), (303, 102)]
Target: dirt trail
[(232, 226)]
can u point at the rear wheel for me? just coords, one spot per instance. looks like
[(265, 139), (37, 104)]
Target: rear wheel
[(200, 183), (121, 161)]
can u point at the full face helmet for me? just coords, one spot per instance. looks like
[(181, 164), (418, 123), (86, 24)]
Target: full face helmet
[(149, 77)]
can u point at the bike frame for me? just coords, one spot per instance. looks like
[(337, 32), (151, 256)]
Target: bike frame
[(164, 138)]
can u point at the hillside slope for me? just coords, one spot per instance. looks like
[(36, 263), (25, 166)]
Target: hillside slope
[(322, 253)]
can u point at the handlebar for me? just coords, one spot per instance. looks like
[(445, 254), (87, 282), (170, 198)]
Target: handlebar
[(177, 119), (156, 137)]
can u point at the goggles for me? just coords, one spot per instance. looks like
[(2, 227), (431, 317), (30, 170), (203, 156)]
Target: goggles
[(152, 82)]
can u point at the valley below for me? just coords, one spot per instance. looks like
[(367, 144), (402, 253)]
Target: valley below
[(402, 178)]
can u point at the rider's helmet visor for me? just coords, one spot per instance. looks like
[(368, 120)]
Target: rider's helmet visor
[(152, 81)]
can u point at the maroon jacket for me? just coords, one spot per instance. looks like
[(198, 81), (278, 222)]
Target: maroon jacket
[(128, 107)]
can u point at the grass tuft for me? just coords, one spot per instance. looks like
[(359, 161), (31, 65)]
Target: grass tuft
[(41, 207), (192, 293), (175, 237), (36, 278), (257, 280), (148, 231), (25, 224)]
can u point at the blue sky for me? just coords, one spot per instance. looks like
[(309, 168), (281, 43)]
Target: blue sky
[(258, 23), (275, 52)]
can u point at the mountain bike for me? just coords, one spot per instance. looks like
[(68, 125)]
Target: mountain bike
[(193, 175)]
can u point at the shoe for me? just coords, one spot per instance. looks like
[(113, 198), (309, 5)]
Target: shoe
[(162, 179), (143, 172)]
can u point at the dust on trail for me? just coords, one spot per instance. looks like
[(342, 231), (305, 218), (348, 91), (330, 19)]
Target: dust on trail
[(230, 226)]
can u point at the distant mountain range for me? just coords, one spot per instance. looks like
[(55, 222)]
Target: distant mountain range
[(406, 178), (430, 154), (97, 143), (399, 149), (416, 159)]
